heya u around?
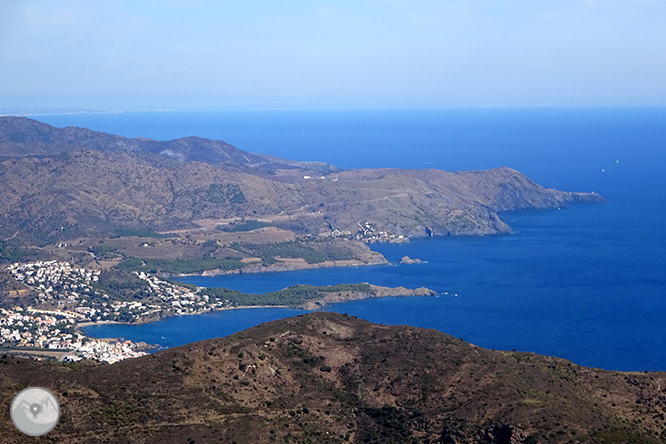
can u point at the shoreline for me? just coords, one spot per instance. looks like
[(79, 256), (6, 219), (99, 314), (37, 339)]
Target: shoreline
[(308, 306), (90, 323), (278, 268), (81, 325)]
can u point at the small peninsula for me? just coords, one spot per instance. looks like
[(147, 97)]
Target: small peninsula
[(40, 317)]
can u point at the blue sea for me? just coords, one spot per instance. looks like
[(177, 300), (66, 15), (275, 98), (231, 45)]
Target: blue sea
[(586, 283)]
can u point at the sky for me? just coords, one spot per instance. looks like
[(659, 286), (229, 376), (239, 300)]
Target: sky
[(226, 54)]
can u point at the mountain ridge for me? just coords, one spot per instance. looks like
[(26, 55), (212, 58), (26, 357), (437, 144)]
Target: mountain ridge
[(328, 377), (62, 183)]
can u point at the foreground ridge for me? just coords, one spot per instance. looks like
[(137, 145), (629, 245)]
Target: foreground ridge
[(326, 377)]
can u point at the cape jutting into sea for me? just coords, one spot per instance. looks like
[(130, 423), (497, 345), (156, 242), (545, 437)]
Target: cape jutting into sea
[(585, 283)]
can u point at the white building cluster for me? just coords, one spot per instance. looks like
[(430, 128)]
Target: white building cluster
[(368, 233), (45, 274), (59, 284), (20, 328), (181, 300), (110, 352), (67, 295)]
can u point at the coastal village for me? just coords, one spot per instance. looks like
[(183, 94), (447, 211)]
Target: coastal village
[(367, 232), (73, 293), (68, 297), (57, 299), (32, 330)]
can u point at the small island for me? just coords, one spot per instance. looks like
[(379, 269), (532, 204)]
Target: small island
[(406, 260)]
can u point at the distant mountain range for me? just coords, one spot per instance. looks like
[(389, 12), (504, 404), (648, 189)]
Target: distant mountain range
[(331, 378), (21, 136), (60, 183)]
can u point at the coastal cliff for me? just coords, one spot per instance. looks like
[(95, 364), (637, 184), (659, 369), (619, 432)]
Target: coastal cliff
[(64, 183)]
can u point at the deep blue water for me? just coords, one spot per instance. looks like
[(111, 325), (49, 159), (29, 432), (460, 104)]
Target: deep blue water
[(585, 283)]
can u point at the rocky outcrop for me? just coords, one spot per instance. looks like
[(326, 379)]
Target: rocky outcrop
[(406, 260), (506, 189)]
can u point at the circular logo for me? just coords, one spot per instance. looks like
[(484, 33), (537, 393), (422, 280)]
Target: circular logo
[(35, 411)]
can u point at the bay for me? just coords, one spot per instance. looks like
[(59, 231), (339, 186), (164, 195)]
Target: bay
[(585, 283)]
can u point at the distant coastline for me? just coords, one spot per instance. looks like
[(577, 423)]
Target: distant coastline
[(284, 266), (45, 112)]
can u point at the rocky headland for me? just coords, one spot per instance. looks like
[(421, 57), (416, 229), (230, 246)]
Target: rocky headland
[(64, 183)]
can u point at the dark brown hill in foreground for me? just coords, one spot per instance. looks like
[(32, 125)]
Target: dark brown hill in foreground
[(329, 378), (63, 183)]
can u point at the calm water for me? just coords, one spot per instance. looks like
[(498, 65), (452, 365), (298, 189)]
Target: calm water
[(585, 283)]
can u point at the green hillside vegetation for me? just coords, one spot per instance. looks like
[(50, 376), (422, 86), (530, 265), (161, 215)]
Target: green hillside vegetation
[(140, 232), (9, 284), (122, 286), (247, 225), (182, 284), (102, 250), (294, 296), (314, 252), (225, 193), (179, 266), (11, 253)]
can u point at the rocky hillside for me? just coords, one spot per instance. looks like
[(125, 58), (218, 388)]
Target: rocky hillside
[(20, 136), (330, 378), (62, 183)]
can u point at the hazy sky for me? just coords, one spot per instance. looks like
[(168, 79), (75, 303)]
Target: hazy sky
[(149, 54)]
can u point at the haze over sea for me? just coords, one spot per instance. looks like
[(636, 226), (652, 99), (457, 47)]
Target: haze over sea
[(585, 283)]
